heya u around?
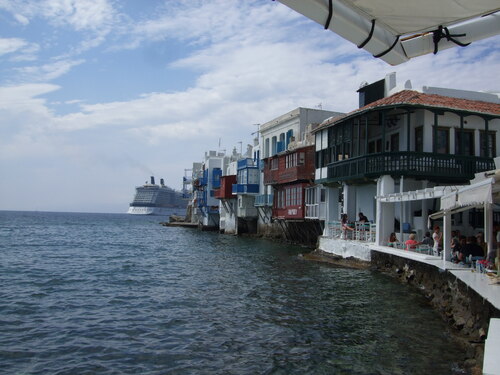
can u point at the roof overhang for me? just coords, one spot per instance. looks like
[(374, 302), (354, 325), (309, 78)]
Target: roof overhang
[(417, 195), (397, 31), (483, 190)]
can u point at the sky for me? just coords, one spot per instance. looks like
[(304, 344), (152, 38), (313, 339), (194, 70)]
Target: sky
[(98, 95)]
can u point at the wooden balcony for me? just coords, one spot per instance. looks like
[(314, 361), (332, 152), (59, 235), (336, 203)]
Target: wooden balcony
[(226, 188), (295, 212), (264, 200), (421, 165), (290, 167)]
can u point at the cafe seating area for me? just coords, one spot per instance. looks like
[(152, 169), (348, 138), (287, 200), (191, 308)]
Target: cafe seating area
[(360, 231)]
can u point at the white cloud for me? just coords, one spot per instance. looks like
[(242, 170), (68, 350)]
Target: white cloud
[(94, 19), (47, 72), (79, 14), (25, 98), (200, 22), (9, 45), (18, 49)]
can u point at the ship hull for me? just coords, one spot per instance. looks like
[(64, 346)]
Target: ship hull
[(157, 211)]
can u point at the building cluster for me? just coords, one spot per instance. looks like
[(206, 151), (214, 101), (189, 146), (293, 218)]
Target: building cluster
[(308, 167)]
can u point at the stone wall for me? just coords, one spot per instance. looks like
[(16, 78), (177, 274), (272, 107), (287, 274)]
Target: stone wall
[(345, 249), (464, 309)]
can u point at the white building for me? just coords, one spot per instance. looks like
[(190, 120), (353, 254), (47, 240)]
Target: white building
[(402, 140), (286, 132)]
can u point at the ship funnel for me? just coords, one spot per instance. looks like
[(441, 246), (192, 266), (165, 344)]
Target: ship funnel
[(152, 180), (162, 182)]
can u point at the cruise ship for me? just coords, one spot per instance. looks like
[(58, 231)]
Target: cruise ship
[(153, 199)]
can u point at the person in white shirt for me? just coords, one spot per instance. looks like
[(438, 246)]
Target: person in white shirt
[(437, 236)]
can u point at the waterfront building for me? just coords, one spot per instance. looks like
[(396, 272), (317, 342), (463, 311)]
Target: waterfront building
[(227, 199), (399, 140), (290, 173), (247, 187), (206, 181), (287, 153), (191, 192)]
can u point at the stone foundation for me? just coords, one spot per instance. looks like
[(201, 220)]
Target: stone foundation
[(463, 308), (345, 248)]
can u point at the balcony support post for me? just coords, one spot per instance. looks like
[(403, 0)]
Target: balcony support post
[(462, 140), (366, 134), (408, 114), (447, 237), (486, 140), (382, 121), (359, 138), (435, 131), (385, 211), (488, 227), (402, 204)]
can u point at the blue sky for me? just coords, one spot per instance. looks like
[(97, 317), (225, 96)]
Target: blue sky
[(97, 95)]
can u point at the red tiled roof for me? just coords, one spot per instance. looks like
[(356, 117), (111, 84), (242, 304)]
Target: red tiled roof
[(415, 98)]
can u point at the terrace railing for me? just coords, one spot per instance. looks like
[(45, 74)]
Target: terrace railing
[(264, 200), (405, 163)]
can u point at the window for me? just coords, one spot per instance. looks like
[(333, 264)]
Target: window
[(319, 161), (322, 195), (487, 144), (291, 160), (375, 146), (468, 142), (253, 176), (282, 137), (322, 158), (266, 148), (274, 163), (274, 145), (311, 195), (443, 141), (289, 137), (347, 150), (326, 157), (419, 139), (362, 145), (280, 201), (394, 142)]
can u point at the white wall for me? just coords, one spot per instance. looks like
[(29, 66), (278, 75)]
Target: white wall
[(365, 201)]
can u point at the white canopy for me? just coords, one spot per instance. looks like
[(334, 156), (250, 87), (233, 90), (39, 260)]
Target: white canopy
[(480, 192), (397, 30), (472, 195)]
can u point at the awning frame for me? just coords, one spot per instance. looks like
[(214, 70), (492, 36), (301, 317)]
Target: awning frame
[(382, 41)]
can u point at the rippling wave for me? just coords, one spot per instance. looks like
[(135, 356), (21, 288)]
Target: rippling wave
[(120, 294)]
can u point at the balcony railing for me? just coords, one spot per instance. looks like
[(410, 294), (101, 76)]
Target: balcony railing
[(316, 211), (413, 164), (246, 163), (246, 189), (264, 200), (282, 176)]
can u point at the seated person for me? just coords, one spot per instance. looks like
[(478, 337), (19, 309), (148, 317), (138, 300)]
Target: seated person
[(393, 240), (428, 239), (345, 225), (362, 218), (411, 243), (471, 248)]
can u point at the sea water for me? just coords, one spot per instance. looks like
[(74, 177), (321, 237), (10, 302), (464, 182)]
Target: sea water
[(121, 294)]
